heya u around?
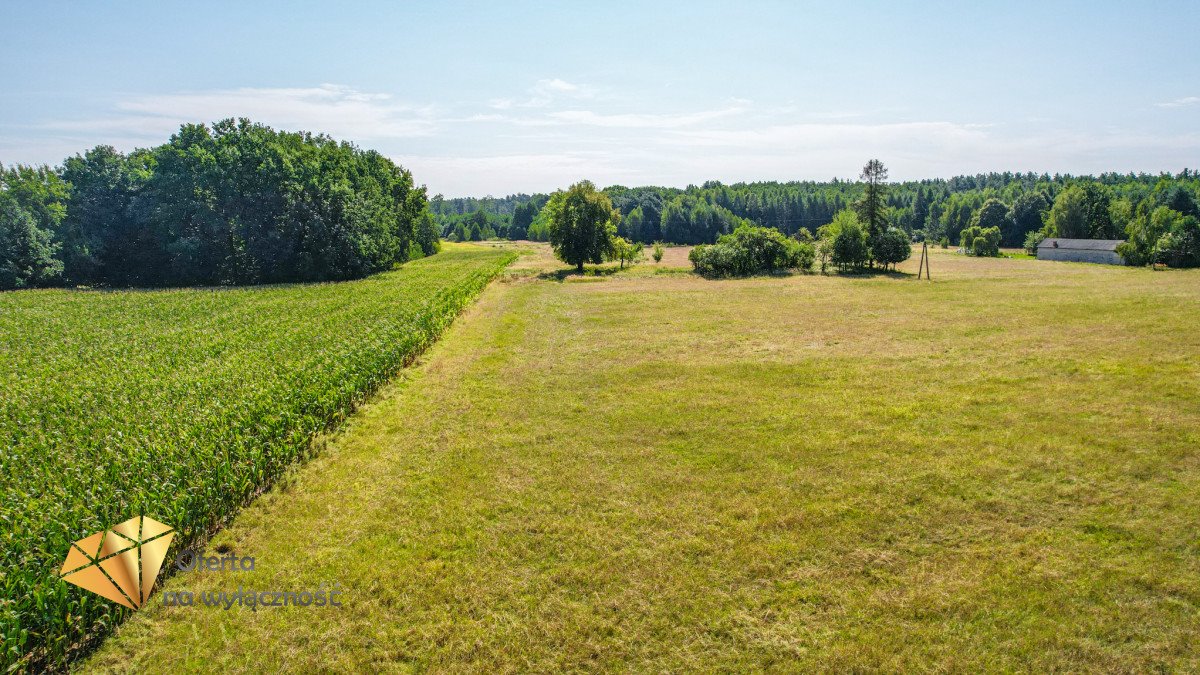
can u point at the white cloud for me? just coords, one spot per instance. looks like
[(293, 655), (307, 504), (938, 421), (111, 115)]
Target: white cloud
[(543, 93), (513, 173), (635, 120), (1180, 102), (339, 111), (545, 138)]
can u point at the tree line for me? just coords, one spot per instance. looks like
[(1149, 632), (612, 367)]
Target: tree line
[(234, 203), (1018, 206)]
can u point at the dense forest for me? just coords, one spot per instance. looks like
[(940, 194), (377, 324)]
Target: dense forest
[(234, 203), (1109, 206)]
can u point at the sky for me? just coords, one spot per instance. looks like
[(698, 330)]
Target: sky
[(494, 98)]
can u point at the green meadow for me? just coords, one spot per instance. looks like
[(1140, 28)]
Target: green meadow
[(644, 470)]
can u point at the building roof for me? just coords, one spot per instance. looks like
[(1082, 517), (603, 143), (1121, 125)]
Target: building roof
[(1082, 244)]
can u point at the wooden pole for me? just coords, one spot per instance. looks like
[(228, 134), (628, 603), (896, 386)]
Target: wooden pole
[(924, 263)]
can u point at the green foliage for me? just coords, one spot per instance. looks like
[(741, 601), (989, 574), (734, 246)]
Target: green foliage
[(181, 405), (848, 247), (1069, 216), (26, 252), (995, 214), (891, 247), (1083, 212), (475, 226), (751, 250), (508, 217), (1177, 198), (522, 218), (427, 235), (31, 211), (236, 203), (1180, 246), (1028, 214), (658, 251), (583, 223), (872, 208), (1143, 233), (981, 241), (1033, 239), (687, 220), (626, 251), (927, 209)]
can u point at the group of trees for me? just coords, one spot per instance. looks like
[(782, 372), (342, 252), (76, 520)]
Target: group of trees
[(234, 203), (470, 219), (863, 235), (1021, 207), (584, 226)]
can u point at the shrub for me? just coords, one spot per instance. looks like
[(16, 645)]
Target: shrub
[(892, 247), (850, 246), (991, 241), (626, 251), (751, 250), (1181, 246), (945, 242), (1033, 240), (658, 251)]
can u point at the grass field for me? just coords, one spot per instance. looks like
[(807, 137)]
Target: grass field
[(995, 470), (180, 405)]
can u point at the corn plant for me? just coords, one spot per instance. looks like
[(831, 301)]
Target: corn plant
[(182, 404)]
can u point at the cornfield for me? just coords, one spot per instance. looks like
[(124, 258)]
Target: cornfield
[(180, 404)]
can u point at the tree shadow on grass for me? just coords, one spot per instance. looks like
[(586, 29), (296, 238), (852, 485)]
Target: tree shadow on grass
[(562, 274), (866, 273)]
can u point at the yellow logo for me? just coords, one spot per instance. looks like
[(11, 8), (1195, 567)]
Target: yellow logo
[(120, 564)]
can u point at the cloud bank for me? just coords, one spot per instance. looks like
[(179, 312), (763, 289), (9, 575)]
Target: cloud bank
[(555, 132)]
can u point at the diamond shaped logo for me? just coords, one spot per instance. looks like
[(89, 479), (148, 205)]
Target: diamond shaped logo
[(120, 564)]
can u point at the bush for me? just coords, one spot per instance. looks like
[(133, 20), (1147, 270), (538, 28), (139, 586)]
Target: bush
[(658, 251), (892, 247), (751, 250), (1033, 240), (626, 251), (991, 241), (945, 242), (1181, 246), (850, 246)]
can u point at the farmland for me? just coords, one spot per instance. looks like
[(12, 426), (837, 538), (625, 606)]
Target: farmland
[(995, 470), (181, 404)]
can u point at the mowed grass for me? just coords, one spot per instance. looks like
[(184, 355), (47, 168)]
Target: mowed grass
[(995, 470), (180, 405)]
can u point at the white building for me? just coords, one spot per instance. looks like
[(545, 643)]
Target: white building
[(1081, 250)]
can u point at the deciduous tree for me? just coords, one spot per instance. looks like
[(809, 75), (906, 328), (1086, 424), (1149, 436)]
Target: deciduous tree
[(582, 223)]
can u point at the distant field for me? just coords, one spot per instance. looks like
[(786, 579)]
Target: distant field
[(996, 470), (181, 404)]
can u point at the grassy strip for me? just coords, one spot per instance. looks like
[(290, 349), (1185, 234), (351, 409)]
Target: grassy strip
[(182, 405), (993, 471)]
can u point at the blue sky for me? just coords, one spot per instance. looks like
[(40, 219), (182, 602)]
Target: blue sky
[(501, 97)]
